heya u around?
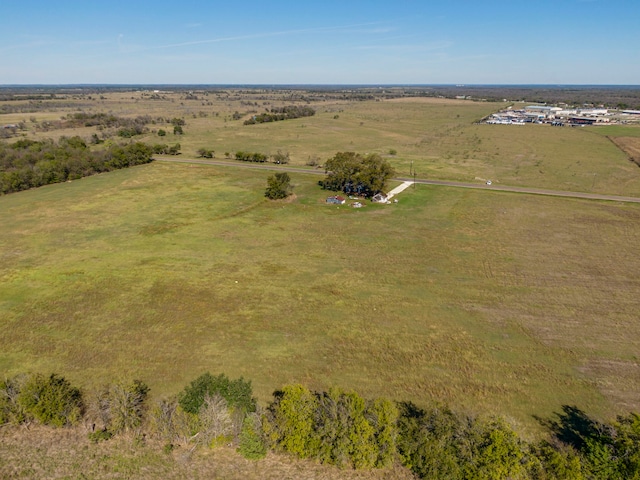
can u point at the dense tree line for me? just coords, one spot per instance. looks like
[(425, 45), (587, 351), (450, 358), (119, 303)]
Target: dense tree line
[(28, 163), (281, 113), (109, 124), (122, 126), (251, 157), (350, 172), (105, 120), (335, 427)]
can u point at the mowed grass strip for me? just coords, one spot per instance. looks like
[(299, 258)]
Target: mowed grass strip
[(490, 302)]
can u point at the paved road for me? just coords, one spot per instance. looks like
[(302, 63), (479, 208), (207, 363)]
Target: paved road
[(533, 191), (481, 186)]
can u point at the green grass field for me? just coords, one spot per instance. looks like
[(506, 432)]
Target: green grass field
[(438, 137), (490, 302)]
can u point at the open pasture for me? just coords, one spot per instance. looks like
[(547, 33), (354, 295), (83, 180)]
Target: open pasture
[(436, 138), (490, 302)]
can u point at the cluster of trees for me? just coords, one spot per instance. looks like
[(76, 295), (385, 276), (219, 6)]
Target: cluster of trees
[(342, 428), (335, 427), (177, 123), (352, 173), (206, 153), (122, 126), (279, 157), (164, 149), (126, 127), (105, 120), (251, 157), (8, 131), (210, 411), (27, 163), (281, 113)]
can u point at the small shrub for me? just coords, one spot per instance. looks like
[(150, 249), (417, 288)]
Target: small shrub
[(216, 425), (171, 423), (313, 161), (122, 406), (100, 435), (280, 157), (237, 393), (10, 409), (168, 448), (51, 400), (205, 153), (252, 443)]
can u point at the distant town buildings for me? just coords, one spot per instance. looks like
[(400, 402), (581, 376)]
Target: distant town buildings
[(560, 116)]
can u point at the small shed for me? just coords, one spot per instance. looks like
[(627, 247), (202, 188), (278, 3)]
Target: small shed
[(380, 198), (336, 199)]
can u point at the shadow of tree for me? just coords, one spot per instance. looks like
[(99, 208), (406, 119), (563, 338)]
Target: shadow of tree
[(574, 427)]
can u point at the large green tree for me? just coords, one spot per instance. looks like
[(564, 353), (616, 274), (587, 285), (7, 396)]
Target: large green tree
[(278, 186), (351, 172)]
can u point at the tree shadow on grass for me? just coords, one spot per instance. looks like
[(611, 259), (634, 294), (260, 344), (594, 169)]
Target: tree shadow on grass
[(573, 427)]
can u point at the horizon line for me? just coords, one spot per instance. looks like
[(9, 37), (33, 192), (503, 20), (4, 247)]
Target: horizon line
[(460, 85)]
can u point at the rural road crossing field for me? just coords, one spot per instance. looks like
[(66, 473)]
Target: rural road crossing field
[(405, 184)]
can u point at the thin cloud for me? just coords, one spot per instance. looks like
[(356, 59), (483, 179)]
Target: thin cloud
[(36, 44), (261, 35), (374, 31), (406, 47)]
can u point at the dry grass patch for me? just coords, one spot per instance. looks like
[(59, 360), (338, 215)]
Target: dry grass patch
[(44, 453), (629, 145)]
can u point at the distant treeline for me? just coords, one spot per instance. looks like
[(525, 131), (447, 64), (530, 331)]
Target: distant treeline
[(27, 163), (74, 96), (104, 120), (282, 113), (107, 123), (334, 427), (609, 96), (126, 127), (46, 104)]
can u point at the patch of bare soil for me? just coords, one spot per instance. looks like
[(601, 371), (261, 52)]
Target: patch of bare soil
[(630, 146)]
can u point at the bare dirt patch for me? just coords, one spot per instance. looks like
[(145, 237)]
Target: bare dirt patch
[(630, 146)]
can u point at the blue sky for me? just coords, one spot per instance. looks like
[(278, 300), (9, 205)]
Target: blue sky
[(320, 42)]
